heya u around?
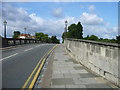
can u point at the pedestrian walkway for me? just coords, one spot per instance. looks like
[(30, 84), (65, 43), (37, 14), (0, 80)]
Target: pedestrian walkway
[(68, 73)]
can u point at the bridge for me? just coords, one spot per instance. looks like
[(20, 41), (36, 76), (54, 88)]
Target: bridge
[(74, 64)]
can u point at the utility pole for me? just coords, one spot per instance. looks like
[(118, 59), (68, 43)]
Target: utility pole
[(5, 23)]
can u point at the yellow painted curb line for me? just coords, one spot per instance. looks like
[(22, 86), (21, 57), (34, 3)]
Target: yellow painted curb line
[(34, 79), (40, 68), (24, 86), (36, 75)]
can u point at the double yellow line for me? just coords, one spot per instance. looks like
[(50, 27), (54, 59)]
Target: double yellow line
[(39, 66)]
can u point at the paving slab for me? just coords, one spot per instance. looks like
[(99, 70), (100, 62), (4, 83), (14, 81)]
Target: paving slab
[(59, 86), (75, 75), (98, 86), (78, 67), (87, 75), (63, 81), (54, 76), (75, 86), (68, 74)]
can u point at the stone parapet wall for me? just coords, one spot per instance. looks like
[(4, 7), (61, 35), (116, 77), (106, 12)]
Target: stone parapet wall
[(102, 58)]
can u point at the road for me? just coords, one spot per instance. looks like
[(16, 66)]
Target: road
[(18, 63)]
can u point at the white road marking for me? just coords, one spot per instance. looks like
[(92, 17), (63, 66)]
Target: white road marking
[(38, 46), (8, 57), (28, 49)]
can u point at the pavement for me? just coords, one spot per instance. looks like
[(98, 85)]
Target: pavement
[(18, 63), (62, 71)]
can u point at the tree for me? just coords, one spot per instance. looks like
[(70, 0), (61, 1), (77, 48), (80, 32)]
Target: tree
[(54, 39), (93, 37), (75, 31), (101, 39), (39, 36), (45, 38), (64, 35), (49, 40), (87, 37), (118, 39), (79, 31), (71, 31), (16, 34)]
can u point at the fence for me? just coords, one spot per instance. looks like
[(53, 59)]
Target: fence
[(5, 42)]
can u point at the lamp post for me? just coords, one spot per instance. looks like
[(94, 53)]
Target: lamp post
[(25, 30), (65, 29), (5, 23)]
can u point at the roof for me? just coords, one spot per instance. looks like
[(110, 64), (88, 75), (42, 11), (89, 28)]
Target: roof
[(25, 35)]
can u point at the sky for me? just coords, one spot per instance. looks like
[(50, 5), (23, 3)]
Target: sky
[(98, 18)]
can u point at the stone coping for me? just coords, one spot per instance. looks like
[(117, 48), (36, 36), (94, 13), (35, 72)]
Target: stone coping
[(95, 42)]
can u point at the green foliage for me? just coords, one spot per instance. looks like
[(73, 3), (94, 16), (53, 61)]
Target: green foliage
[(108, 40), (79, 32), (44, 38), (118, 39), (16, 34), (65, 34), (55, 40), (71, 31), (87, 37), (74, 31), (95, 38), (39, 36)]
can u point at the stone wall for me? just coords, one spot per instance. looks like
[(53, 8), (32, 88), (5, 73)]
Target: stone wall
[(102, 58)]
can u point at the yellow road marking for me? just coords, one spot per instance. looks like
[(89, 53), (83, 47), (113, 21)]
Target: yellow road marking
[(36, 75), (47, 53), (24, 86)]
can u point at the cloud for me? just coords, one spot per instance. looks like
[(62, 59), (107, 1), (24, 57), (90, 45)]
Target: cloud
[(103, 32), (18, 18), (14, 14), (57, 12), (91, 8), (92, 24), (91, 19)]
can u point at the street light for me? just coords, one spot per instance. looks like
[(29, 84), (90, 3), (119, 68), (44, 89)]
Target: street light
[(5, 23), (25, 30), (66, 22)]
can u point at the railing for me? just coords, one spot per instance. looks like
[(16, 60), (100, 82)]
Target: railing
[(12, 42)]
